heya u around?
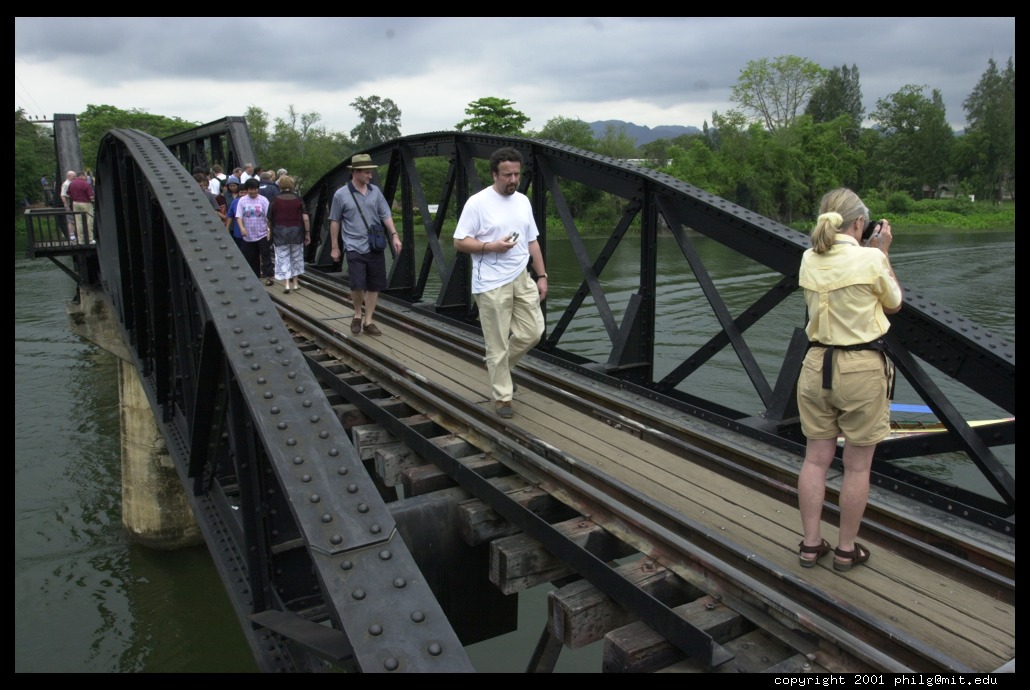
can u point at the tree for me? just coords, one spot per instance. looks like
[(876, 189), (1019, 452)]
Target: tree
[(991, 129), (839, 94), (34, 157), (257, 125), (492, 115), (812, 160), (616, 143), (97, 119), (298, 142), (301, 144), (776, 89), (380, 121), (915, 144), (572, 132)]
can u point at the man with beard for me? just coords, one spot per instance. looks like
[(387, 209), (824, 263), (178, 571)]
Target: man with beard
[(498, 229)]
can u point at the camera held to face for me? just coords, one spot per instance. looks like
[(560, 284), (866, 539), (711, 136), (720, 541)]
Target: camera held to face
[(872, 227)]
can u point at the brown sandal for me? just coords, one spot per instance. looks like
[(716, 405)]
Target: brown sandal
[(857, 556), (816, 552)]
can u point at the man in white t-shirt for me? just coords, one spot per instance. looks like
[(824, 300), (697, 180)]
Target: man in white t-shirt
[(217, 179), (67, 201), (498, 229)]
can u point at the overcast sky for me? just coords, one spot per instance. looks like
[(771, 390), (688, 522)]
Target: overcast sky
[(645, 70)]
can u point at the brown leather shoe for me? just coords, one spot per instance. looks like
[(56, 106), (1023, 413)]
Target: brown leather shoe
[(372, 329), (355, 326), (503, 409)]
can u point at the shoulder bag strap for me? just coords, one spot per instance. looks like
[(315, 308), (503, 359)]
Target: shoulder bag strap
[(358, 205)]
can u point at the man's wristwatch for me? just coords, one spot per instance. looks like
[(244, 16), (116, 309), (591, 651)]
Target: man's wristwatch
[(542, 275)]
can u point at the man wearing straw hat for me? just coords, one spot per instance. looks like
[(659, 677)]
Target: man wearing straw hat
[(358, 207)]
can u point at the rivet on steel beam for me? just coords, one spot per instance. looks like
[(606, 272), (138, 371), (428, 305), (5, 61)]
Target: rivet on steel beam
[(306, 478), (352, 488), (336, 540), (362, 507), (358, 594), (435, 649), (375, 630), (400, 583), (346, 565), (375, 529), (385, 555), (327, 518), (315, 498), (391, 664), (418, 616)]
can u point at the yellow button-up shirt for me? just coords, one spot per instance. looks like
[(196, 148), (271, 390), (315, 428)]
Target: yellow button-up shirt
[(846, 290)]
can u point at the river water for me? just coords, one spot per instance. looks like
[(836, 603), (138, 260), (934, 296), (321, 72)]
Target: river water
[(86, 600)]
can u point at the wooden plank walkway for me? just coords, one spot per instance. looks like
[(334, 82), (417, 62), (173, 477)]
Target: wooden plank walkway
[(972, 627)]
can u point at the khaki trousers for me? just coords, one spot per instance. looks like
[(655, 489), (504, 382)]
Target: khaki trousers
[(512, 324), (84, 208)]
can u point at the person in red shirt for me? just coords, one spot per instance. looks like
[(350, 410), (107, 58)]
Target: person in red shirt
[(81, 194)]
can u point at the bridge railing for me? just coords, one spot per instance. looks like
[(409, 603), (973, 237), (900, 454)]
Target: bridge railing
[(50, 230), (274, 477), (924, 334), (294, 523)]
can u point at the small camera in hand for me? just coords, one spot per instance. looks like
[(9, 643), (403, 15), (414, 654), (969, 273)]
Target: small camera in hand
[(872, 227), (514, 236)]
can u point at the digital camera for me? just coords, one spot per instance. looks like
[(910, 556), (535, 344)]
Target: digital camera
[(872, 227)]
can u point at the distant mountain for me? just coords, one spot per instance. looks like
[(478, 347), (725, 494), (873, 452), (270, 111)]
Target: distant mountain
[(642, 134)]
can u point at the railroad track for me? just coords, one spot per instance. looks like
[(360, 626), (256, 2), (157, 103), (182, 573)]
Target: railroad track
[(709, 601)]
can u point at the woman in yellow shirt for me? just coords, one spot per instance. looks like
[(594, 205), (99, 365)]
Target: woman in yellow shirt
[(845, 382)]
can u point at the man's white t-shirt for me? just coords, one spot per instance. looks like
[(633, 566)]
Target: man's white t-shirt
[(489, 216)]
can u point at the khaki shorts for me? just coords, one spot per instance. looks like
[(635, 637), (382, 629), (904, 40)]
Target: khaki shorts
[(856, 406)]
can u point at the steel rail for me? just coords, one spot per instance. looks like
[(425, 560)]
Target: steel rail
[(988, 565), (747, 582)]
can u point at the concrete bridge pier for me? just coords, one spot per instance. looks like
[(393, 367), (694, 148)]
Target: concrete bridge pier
[(155, 509)]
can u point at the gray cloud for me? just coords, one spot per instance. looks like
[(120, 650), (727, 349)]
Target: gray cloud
[(651, 71)]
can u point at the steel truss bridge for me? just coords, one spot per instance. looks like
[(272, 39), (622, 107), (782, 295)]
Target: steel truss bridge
[(238, 402)]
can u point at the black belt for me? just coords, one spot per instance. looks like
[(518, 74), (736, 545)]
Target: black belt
[(877, 345)]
